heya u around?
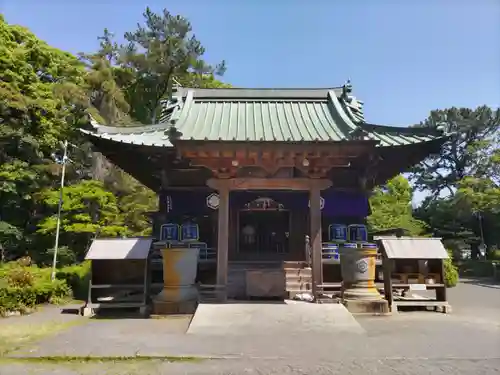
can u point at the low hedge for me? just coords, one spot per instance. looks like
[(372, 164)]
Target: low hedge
[(77, 278), (22, 299), (477, 268), (23, 287)]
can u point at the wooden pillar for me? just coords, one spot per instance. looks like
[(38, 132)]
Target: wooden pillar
[(315, 219), (223, 237)]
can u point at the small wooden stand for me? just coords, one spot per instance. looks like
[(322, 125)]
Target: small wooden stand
[(403, 252), (119, 276)]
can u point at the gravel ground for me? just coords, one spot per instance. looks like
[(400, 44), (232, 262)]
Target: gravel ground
[(464, 342)]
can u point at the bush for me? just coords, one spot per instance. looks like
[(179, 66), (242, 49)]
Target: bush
[(494, 254), (477, 268), (450, 272), (22, 288), (77, 278), (20, 277), (65, 256)]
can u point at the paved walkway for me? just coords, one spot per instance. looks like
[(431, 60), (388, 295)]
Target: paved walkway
[(288, 318), (465, 342)]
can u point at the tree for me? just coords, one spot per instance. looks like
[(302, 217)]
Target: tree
[(40, 103), (46, 94), (156, 53), (133, 79), (391, 207), (444, 219), (472, 142), (88, 209), (467, 172)]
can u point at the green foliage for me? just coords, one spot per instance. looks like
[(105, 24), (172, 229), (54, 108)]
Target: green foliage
[(40, 104), (20, 277), (391, 208), (22, 288), (468, 151), (77, 278), (45, 95), (468, 170), (477, 268), (480, 194), (163, 49), (494, 254), (88, 208), (450, 272), (65, 256)]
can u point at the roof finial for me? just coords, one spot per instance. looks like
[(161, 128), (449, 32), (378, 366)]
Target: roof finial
[(173, 133), (347, 88)]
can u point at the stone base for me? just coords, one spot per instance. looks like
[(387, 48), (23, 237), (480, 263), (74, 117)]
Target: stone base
[(87, 311), (374, 307), (181, 307), (177, 293), (360, 292)]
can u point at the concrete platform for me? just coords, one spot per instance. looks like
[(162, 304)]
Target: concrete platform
[(287, 318)]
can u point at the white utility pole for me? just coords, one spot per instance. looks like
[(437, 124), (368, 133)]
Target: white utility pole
[(58, 226)]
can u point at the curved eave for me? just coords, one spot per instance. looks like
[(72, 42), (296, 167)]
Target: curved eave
[(389, 136), (401, 158), (153, 135)]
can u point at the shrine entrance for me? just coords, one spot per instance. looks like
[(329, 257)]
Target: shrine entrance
[(263, 228)]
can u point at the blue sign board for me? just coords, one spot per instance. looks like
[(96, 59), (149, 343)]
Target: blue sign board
[(337, 233), (190, 232), (169, 232), (357, 233)]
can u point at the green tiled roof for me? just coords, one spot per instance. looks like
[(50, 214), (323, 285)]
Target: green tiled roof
[(263, 115)]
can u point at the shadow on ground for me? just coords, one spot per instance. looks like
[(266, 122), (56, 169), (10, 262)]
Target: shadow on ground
[(482, 282)]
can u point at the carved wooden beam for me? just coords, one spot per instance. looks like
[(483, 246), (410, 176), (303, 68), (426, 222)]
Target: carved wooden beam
[(303, 184)]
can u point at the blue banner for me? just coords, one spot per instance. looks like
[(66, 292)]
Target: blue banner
[(335, 203)]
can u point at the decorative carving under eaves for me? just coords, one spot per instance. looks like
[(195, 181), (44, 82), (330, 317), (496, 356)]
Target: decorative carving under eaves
[(352, 106)]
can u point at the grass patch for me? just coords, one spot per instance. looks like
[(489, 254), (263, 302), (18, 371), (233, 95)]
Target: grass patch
[(102, 360), (133, 365), (15, 336)]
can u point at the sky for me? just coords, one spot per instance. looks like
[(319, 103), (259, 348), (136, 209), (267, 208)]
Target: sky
[(404, 58)]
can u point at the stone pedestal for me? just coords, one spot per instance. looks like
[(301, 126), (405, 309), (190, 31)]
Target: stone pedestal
[(372, 307), (179, 294), (359, 292)]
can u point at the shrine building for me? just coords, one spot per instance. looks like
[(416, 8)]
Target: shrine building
[(262, 178)]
